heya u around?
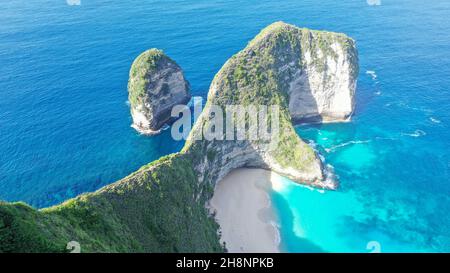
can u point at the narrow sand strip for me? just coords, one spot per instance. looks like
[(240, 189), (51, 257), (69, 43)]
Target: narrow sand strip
[(244, 213)]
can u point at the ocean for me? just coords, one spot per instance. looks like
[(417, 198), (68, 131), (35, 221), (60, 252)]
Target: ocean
[(65, 123)]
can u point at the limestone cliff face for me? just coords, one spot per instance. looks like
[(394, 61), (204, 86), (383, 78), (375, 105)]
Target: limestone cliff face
[(309, 74), (323, 77), (156, 84)]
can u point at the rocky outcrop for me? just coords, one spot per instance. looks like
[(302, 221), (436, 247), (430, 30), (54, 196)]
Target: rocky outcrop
[(310, 75), (156, 84)]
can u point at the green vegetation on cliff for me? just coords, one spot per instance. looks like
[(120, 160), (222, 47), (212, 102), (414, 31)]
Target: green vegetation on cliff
[(253, 76), (144, 64), (158, 208)]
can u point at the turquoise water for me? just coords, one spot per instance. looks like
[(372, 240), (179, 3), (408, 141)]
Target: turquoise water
[(65, 125)]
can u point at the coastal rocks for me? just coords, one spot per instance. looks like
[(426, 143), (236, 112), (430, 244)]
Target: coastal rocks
[(156, 84), (310, 75)]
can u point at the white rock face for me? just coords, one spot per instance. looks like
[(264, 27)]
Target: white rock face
[(141, 121), (324, 86)]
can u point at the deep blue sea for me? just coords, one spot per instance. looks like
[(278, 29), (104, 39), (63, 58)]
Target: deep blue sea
[(65, 124)]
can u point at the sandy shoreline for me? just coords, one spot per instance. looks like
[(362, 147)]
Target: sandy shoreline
[(244, 213)]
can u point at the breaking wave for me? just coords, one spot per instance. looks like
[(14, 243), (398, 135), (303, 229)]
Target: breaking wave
[(372, 74), (434, 120), (331, 179), (352, 142), (416, 133)]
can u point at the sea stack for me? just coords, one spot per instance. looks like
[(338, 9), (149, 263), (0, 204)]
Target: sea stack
[(156, 84)]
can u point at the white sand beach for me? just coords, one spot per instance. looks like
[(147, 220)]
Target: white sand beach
[(244, 213)]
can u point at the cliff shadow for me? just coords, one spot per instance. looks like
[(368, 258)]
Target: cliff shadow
[(303, 105)]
